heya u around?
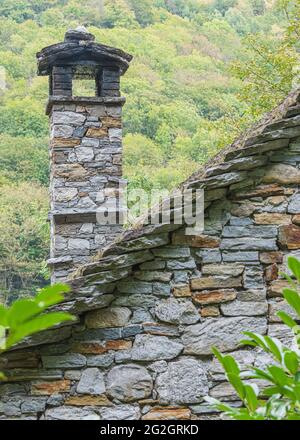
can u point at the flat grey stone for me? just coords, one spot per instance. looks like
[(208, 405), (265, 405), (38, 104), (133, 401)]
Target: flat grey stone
[(108, 317), (152, 348), (294, 204), (71, 413), (129, 383), (91, 382), (121, 412), (34, 405), (245, 308), (248, 244), (176, 311), (184, 382), (73, 360), (224, 333)]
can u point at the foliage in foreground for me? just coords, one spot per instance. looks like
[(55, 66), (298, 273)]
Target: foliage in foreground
[(280, 400), (28, 316)]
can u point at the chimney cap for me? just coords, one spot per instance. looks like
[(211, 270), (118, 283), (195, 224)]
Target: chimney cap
[(79, 48), (79, 34)]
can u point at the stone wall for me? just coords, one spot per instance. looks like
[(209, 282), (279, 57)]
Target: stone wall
[(86, 168), (145, 351)]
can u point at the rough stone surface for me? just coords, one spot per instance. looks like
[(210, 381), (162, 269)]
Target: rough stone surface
[(224, 333), (110, 317), (91, 382), (71, 413), (184, 382), (177, 312), (152, 348), (129, 383)]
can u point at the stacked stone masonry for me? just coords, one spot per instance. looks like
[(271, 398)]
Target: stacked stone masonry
[(151, 309), (86, 170)]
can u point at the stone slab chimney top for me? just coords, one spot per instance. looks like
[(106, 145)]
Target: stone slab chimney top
[(79, 34)]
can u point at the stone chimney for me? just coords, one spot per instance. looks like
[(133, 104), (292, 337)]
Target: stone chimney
[(85, 146)]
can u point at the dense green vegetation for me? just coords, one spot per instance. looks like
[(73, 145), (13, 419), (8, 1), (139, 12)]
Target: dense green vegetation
[(203, 70)]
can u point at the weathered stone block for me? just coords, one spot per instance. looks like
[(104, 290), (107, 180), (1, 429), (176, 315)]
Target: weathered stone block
[(91, 382), (210, 311), (272, 218), (40, 388), (215, 282), (196, 241), (184, 382), (121, 412), (289, 237), (253, 277), (110, 317), (181, 265), (71, 413), (246, 257), (209, 255), (282, 174), (249, 231), (168, 414), (68, 118), (71, 360), (181, 291), (88, 401), (136, 287), (245, 244), (245, 308), (172, 252), (214, 296), (176, 311), (271, 257), (129, 383), (223, 269), (152, 348), (33, 405), (224, 333), (101, 347)]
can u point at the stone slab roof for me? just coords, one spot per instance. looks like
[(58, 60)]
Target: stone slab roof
[(244, 158)]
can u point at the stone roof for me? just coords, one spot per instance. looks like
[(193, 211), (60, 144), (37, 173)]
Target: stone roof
[(232, 165), (229, 166), (79, 46)]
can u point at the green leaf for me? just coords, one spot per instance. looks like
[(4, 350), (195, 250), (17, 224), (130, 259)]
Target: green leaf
[(51, 295), (230, 365), (42, 322), (287, 319), (258, 339), (2, 376), (280, 378), (21, 311), (291, 361), (294, 266), (251, 397), (3, 316), (275, 347), (293, 299), (237, 384)]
